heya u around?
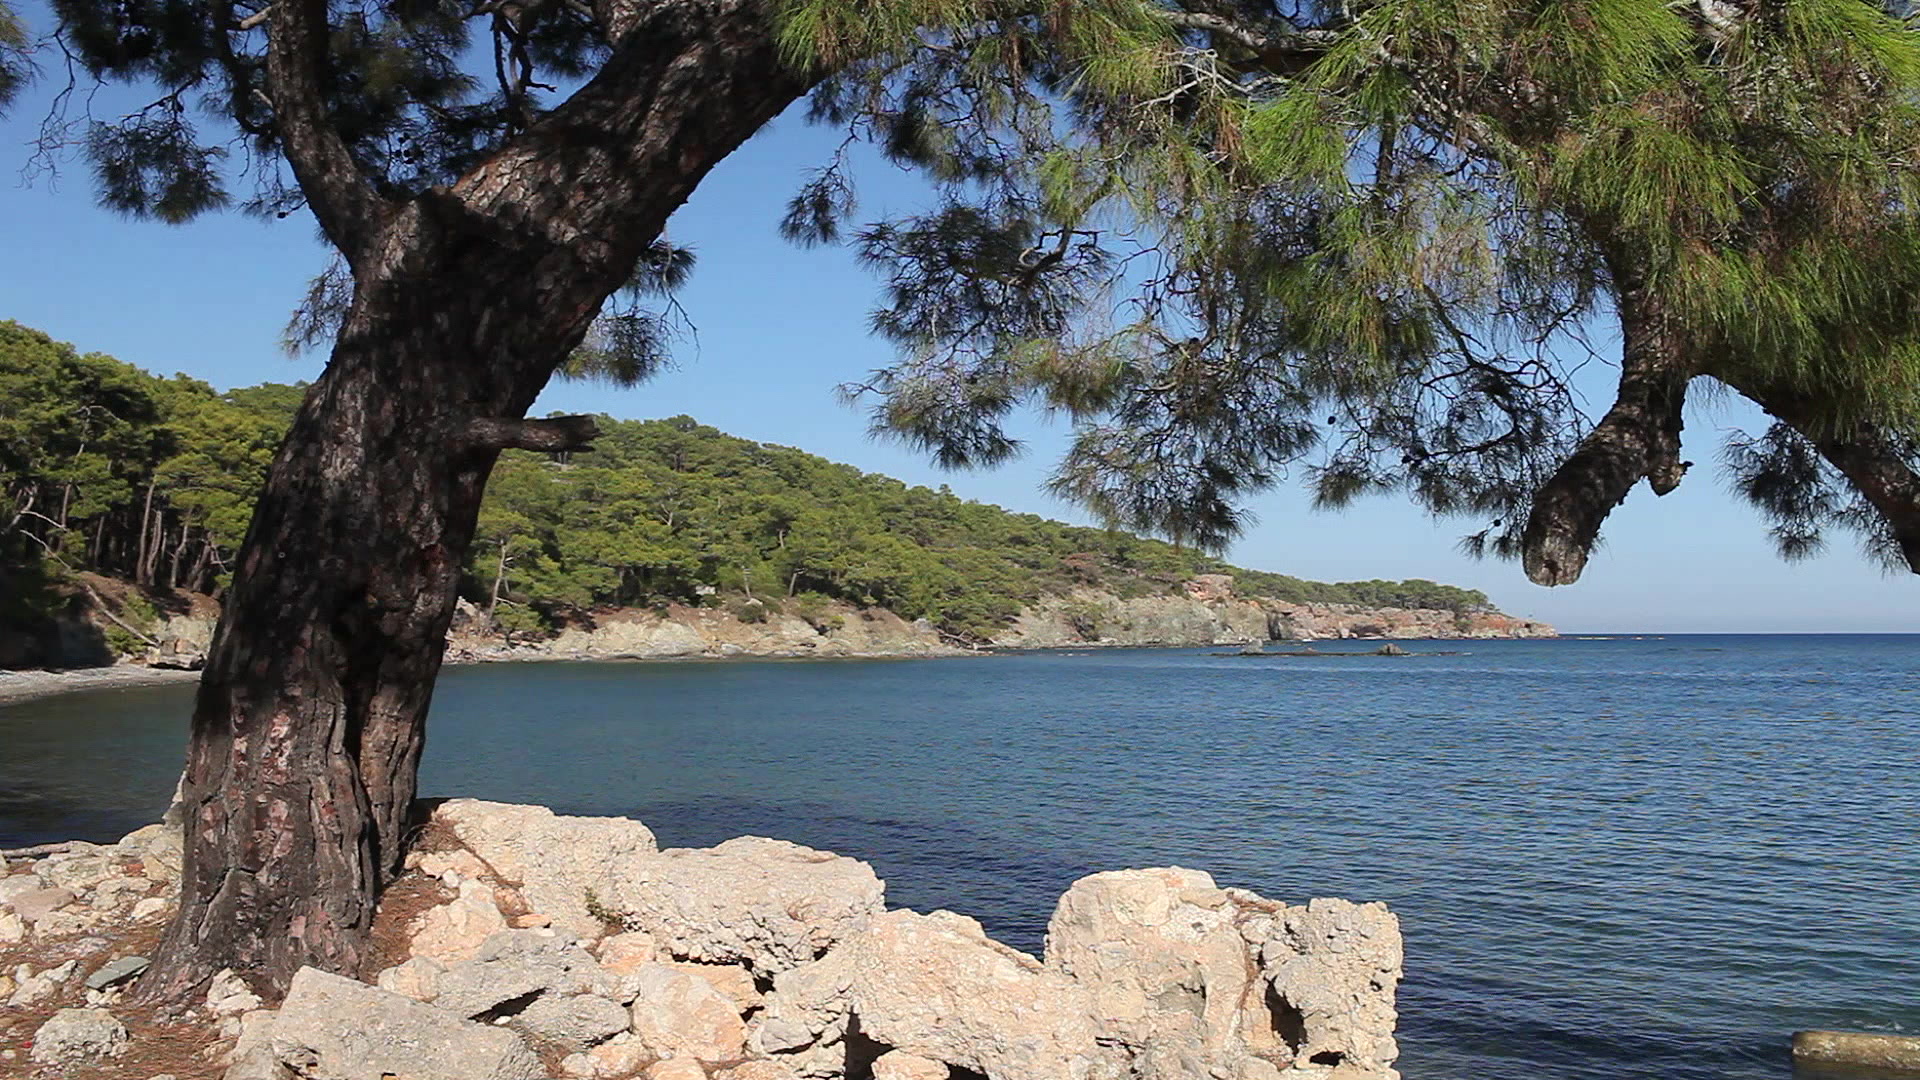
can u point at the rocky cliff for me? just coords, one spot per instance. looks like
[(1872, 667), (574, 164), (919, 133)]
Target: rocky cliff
[(1211, 612)]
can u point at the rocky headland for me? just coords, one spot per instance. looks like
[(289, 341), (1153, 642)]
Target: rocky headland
[(1207, 610), (521, 944)]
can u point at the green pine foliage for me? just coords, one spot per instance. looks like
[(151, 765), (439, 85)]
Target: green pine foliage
[(660, 512), (105, 467), (1371, 244)]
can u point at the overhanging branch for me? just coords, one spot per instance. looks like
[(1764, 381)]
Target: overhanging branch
[(1865, 456)]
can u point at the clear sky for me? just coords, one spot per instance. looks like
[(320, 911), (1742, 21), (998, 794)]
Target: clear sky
[(779, 327)]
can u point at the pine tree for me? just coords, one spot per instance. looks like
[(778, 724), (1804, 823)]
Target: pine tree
[(1408, 217), (1194, 226)]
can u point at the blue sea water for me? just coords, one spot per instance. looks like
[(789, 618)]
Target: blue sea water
[(1612, 858)]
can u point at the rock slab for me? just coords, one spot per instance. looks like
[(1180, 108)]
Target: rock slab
[(387, 1035)]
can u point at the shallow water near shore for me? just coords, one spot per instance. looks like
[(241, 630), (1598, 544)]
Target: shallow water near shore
[(1612, 858)]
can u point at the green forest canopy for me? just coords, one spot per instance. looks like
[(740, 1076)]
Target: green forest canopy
[(108, 468)]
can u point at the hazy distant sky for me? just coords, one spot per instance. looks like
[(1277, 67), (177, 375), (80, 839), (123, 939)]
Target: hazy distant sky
[(779, 327)]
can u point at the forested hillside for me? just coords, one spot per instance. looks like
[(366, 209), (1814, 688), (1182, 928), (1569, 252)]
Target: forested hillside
[(105, 467)]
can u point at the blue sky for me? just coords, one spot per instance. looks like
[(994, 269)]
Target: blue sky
[(779, 327)]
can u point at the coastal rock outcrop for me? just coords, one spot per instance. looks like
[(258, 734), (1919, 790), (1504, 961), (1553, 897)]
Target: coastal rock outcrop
[(333, 1028), (756, 959), (769, 904), (1210, 612)]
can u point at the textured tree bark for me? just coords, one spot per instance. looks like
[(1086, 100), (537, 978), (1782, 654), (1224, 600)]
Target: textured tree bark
[(1638, 437), (1867, 458), (310, 718)]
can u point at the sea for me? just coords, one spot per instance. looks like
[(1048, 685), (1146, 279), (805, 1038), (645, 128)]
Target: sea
[(1612, 857)]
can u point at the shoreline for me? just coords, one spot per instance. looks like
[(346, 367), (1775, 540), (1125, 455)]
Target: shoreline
[(20, 686)]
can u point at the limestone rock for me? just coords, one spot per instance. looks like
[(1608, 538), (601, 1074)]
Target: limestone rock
[(1164, 956), (453, 932), (160, 849), (519, 964), (620, 1056), (36, 904), (766, 903), (12, 885), (79, 1036), (149, 907), (1334, 966), (680, 1014), (12, 928), (624, 953), (733, 981), (459, 862), (33, 988), (572, 1022), (80, 867), (116, 892), (66, 922), (676, 1069), (331, 1028), (937, 987), (899, 1065), (252, 1057), (229, 995), (415, 979), (554, 860)]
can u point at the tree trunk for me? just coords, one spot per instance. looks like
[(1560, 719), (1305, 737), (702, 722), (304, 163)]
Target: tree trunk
[(146, 519), (1638, 437), (310, 718), (499, 582)]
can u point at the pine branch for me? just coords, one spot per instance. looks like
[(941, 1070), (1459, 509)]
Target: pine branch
[(341, 196)]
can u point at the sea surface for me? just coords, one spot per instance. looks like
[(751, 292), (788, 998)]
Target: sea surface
[(1612, 858)]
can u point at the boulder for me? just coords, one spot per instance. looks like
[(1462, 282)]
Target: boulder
[(12, 885), (77, 1037), (332, 1028), (556, 861), (768, 904), (1334, 966), (80, 867), (454, 931), (252, 1057), (734, 982), (36, 904), (936, 987), (1169, 969), (514, 967), (682, 1015), (572, 1021)]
